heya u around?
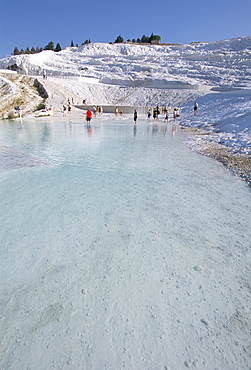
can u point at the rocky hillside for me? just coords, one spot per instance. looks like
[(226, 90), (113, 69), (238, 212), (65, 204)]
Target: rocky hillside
[(19, 91)]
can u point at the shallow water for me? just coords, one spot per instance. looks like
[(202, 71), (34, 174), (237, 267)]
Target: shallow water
[(103, 230)]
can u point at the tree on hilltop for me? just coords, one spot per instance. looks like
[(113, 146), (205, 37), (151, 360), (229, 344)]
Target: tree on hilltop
[(16, 51), (58, 48), (154, 39), (144, 39), (86, 42), (119, 39), (49, 46)]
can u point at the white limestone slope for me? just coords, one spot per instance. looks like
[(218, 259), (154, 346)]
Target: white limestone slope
[(150, 75), (225, 63)]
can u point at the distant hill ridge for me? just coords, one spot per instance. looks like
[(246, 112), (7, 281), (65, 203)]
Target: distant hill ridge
[(134, 74), (218, 63)]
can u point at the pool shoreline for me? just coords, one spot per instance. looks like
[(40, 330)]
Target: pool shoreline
[(239, 165)]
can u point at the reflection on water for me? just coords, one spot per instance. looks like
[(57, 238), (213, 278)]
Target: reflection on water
[(134, 130), (126, 230), (89, 130), (80, 144)]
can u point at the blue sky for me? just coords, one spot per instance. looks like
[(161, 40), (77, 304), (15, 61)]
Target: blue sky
[(29, 23)]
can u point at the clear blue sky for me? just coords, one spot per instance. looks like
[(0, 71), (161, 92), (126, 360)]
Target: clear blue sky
[(30, 23)]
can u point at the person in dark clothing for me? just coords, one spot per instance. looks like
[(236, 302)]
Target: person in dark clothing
[(195, 108), (135, 116)]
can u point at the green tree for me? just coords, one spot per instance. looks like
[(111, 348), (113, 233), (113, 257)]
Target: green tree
[(16, 51), (49, 46), (144, 39), (58, 47), (33, 51), (72, 44), (27, 50), (119, 39), (86, 42), (154, 39)]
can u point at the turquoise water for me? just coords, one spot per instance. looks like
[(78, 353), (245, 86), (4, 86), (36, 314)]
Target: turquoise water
[(96, 223)]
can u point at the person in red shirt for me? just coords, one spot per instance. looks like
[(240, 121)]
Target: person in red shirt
[(88, 116)]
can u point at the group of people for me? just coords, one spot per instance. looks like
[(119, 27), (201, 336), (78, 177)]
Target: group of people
[(117, 112), (156, 113), (68, 107), (88, 116), (97, 110)]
